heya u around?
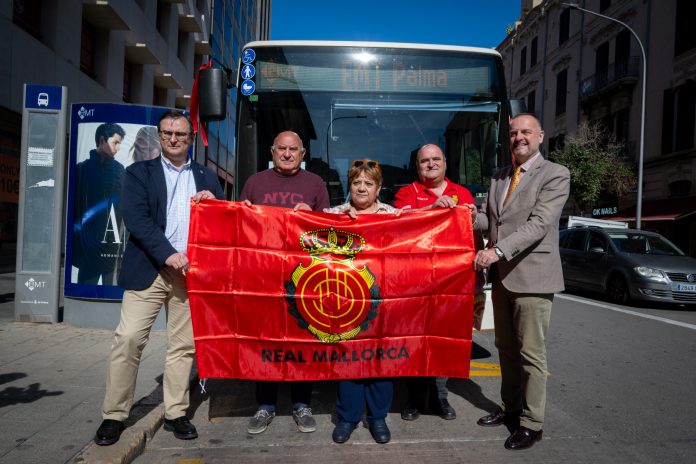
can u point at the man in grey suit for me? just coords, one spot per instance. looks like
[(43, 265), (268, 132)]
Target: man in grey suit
[(521, 214)]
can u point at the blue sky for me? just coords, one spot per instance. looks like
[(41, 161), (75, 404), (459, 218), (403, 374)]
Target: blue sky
[(478, 23)]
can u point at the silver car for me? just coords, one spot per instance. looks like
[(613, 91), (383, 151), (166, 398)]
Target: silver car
[(627, 264)]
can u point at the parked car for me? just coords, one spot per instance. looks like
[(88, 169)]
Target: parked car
[(627, 264)]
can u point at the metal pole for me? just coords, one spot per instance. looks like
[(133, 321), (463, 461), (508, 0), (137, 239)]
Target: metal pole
[(639, 198)]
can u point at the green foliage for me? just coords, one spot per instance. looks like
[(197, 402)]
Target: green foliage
[(470, 170), (595, 165)]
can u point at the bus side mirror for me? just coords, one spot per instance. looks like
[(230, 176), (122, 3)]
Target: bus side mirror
[(517, 106), (212, 91)]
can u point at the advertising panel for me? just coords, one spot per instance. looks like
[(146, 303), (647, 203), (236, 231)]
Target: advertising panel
[(105, 139), (9, 179)]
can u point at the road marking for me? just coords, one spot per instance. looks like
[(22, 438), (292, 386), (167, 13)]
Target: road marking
[(484, 370), (626, 311), (488, 370)]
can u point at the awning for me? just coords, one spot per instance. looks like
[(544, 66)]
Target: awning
[(669, 209)]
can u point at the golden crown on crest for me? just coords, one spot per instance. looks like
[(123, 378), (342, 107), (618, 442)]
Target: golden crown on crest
[(330, 241)]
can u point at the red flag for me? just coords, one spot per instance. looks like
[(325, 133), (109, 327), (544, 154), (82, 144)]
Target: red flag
[(283, 295)]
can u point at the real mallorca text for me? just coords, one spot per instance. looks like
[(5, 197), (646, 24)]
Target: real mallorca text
[(391, 353)]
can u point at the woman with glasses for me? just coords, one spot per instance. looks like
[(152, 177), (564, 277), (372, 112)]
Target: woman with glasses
[(365, 181)]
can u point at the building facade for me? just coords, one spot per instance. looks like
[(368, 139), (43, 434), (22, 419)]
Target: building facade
[(570, 67), (116, 51)]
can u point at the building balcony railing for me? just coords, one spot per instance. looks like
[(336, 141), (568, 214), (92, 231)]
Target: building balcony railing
[(621, 72), (628, 151)]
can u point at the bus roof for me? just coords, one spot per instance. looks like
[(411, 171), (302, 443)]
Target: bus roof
[(337, 43)]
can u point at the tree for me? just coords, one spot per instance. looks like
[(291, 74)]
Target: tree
[(595, 164)]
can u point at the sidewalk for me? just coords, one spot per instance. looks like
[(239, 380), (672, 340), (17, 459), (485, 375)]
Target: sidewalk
[(52, 385)]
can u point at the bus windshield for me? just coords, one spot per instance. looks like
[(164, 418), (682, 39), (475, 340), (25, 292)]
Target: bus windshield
[(383, 103)]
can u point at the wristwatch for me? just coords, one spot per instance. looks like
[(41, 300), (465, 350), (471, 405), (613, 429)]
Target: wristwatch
[(498, 252)]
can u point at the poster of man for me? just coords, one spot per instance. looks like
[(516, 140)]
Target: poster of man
[(97, 233), (101, 149)]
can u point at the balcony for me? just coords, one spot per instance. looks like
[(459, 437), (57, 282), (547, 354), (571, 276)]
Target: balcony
[(621, 74), (140, 53), (188, 23), (166, 81), (103, 15), (628, 151)]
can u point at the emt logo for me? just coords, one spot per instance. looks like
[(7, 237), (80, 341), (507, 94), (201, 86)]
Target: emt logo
[(31, 284)]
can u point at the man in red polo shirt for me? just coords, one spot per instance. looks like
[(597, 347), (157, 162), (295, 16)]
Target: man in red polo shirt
[(433, 190)]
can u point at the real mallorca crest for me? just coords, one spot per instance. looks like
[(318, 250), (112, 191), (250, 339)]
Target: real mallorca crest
[(332, 298)]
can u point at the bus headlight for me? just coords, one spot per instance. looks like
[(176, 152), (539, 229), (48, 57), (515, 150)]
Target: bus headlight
[(651, 274)]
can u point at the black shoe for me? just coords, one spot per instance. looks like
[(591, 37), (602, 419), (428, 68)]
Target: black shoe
[(410, 414), (523, 438), (498, 417), (182, 427), (380, 432), (447, 412), (342, 432), (109, 432)]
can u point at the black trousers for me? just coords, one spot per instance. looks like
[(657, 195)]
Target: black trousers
[(423, 391)]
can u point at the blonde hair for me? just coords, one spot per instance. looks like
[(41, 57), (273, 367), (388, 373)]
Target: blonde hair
[(146, 140)]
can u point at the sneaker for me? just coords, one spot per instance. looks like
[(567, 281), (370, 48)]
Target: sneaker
[(304, 419), (259, 422)]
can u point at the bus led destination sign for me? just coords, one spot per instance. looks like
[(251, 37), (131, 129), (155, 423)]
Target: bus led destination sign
[(351, 76), (358, 76)]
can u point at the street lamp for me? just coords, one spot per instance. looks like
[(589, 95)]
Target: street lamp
[(639, 199)]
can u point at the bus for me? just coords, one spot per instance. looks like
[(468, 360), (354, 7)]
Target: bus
[(382, 101)]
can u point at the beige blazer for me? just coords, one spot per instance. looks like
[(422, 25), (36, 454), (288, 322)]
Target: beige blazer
[(526, 227)]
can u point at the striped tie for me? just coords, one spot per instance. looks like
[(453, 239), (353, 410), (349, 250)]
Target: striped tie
[(513, 183)]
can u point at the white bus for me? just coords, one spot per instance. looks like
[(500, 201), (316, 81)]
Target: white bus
[(382, 101)]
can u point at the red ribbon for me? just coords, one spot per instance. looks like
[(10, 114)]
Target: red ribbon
[(194, 104)]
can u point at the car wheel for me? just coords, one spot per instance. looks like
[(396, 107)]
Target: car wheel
[(617, 290)]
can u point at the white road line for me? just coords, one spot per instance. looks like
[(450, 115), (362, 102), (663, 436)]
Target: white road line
[(626, 311)]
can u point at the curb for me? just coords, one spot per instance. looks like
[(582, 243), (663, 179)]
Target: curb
[(130, 445)]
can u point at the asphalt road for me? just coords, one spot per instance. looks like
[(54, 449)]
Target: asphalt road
[(628, 375), (620, 390)]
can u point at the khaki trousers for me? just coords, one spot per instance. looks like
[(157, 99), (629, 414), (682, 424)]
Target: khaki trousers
[(138, 312), (521, 322)]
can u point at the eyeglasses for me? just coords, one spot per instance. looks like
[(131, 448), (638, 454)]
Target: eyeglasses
[(370, 163), (166, 135)]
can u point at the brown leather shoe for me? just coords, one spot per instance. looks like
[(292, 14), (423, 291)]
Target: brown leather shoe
[(523, 438), (498, 417)]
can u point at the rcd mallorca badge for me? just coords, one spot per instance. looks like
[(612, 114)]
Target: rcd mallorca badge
[(332, 298)]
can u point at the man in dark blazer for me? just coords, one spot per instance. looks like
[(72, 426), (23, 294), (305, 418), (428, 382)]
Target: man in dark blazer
[(156, 204), (521, 214)]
